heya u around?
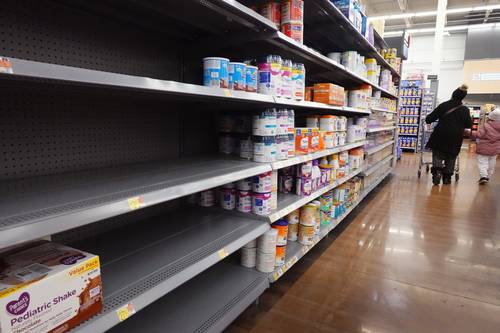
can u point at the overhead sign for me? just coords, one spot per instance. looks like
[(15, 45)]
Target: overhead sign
[(486, 76), (432, 77)]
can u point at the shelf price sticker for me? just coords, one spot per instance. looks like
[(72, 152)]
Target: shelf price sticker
[(136, 202), (222, 253), (227, 93), (5, 66), (125, 311)]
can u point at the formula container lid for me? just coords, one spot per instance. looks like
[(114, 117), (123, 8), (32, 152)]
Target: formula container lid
[(237, 63), (328, 116), (271, 232), (216, 58), (280, 223)]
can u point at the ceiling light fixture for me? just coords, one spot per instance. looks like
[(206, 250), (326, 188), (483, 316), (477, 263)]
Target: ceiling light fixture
[(434, 13), (446, 29)]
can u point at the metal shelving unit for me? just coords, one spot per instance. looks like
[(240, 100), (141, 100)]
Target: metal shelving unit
[(33, 208), (195, 308), (380, 129), (373, 168), (87, 90), (145, 262), (375, 149)]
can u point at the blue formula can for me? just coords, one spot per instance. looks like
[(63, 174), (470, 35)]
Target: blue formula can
[(215, 72), (237, 76), (251, 76)]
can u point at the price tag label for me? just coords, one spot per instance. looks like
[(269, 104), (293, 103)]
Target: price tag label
[(125, 312), (276, 276), (135, 202), (5, 66), (222, 253), (227, 93)]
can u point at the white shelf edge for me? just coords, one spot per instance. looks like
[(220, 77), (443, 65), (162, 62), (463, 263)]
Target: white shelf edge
[(372, 169), (379, 147), (280, 271), (383, 110), (379, 129)]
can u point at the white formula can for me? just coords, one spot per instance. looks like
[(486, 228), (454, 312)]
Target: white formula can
[(263, 183), (251, 244), (261, 204), (215, 72), (244, 184), (248, 257), (267, 242), (207, 198), (228, 198), (265, 262), (244, 201)]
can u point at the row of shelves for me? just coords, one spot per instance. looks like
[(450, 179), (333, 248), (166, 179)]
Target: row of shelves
[(380, 129), (378, 148), (295, 251), (378, 165)]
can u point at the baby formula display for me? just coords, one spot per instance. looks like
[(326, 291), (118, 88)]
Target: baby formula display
[(215, 72), (264, 148), (308, 214), (228, 198), (306, 234), (286, 79), (265, 123), (244, 201), (298, 81)]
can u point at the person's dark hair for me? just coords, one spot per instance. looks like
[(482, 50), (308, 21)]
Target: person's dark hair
[(460, 93)]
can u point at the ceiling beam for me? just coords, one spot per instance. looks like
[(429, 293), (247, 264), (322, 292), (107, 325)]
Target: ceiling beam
[(403, 7)]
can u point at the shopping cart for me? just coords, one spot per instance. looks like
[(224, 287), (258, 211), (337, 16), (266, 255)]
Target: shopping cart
[(426, 133)]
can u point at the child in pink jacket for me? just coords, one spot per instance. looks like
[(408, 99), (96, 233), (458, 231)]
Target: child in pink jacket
[(488, 146)]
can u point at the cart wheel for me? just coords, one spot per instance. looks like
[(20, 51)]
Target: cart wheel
[(427, 169), (419, 173), (457, 177)]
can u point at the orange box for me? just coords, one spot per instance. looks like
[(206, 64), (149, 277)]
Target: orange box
[(328, 93), (309, 94), (302, 140)]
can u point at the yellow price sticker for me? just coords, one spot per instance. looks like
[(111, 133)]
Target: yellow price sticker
[(125, 311), (222, 253), (135, 202), (227, 92)]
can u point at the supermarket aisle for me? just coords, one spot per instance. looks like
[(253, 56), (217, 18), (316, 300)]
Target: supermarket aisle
[(414, 258)]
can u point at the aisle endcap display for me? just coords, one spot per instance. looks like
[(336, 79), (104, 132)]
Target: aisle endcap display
[(296, 251)]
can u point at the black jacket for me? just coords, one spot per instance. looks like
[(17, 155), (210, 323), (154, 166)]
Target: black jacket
[(447, 136)]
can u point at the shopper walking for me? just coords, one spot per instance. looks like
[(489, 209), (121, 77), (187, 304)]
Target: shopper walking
[(446, 139), (488, 146)]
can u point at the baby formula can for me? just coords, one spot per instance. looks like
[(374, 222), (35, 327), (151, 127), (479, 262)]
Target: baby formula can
[(237, 76), (285, 184), (312, 121), (293, 232), (264, 85), (291, 145), (227, 144), (246, 147), (286, 79), (207, 198), (248, 257), (293, 217), (282, 147), (327, 123), (303, 186), (267, 242), (215, 72), (272, 11), (298, 81), (305, 169), (265, 261), (264, 148), (282, 122), (306, 234), (308, 214), (244, 201), (228, 198), (294, 30), (282, 227), (261, 203), (292, 11), (251, 78), (280, 255), (244, 184), (265, 123), (263, 183), (276, 63)]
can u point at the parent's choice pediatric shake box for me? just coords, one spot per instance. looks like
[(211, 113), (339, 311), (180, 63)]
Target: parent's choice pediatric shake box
[(48, 288)]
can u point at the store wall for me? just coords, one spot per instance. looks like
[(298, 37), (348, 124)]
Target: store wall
[(420, 58)]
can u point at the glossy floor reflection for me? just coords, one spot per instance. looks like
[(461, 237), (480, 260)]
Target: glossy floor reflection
[(412, 258)]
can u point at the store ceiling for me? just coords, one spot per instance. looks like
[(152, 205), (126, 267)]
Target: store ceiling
[(388, 7)]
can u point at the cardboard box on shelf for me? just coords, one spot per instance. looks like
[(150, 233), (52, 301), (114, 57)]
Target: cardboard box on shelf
[(328, 93), (48, 288)]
